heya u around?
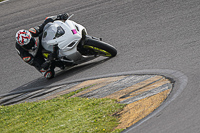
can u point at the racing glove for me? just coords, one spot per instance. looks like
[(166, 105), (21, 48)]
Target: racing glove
[(63, 16)]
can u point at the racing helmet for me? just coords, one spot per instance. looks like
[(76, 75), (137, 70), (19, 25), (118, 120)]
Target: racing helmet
[(25, 40)]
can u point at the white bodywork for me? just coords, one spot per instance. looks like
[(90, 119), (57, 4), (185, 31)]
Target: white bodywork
[(67, 42)]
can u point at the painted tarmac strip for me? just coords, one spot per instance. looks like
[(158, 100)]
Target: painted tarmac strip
[(142, 94)]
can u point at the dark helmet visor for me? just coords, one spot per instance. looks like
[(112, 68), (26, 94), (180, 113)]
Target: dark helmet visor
[(30, 45)]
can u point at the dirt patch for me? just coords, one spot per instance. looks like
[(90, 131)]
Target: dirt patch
[(138, 110)]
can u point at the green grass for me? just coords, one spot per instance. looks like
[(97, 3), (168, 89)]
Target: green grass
[(61, 115), (1, 0)]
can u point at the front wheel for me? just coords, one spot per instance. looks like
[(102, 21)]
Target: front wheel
[(99, 47)]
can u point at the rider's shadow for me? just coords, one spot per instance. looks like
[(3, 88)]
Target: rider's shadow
[(42, 87)]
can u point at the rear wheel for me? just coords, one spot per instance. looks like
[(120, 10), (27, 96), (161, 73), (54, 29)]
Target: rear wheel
[(99, 47)]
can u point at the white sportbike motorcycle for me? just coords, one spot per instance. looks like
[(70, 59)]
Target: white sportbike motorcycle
[(75, 45)]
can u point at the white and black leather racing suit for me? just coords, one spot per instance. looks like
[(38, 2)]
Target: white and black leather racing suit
[(34, 56)]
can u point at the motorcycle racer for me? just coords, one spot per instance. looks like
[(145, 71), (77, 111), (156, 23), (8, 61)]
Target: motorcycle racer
[(29, 48)]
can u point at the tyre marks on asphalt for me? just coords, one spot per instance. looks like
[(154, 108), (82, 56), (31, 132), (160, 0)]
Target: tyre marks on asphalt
[(32, 94), (115, 86), (96, 84)]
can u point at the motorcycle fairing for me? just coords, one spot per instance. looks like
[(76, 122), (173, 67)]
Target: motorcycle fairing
[(67, 42)]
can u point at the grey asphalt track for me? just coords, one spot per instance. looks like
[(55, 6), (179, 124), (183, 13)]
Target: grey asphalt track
[(149, 34)]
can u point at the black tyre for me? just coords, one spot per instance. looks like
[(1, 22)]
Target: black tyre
[(99, 47)]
